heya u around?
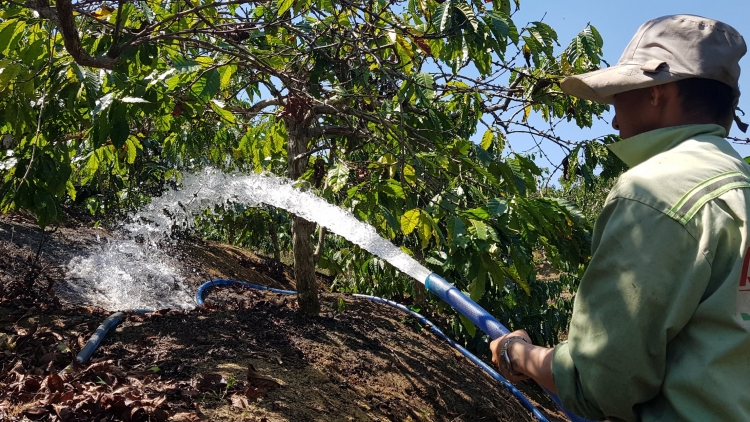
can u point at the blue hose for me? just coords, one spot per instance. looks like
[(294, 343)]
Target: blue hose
[(114, 319), (494, 374), (98, 336), (224, 282), (482, 319), (111, 322), (488, 369)]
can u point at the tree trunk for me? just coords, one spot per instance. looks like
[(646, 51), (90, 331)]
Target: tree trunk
[(302, 230), (304, 266)]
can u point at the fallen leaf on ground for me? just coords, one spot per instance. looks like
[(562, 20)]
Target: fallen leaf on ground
[(257, 379), (55, 383), (239, 400), (185, 417)]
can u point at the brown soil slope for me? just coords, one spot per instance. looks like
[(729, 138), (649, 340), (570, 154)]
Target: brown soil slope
[(246, 356)]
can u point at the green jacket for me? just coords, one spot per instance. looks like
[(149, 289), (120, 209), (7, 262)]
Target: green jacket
[(661, 322)]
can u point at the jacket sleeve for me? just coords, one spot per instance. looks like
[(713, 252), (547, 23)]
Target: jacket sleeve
[(645, 279)]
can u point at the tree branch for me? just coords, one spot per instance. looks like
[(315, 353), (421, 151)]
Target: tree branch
[(319, 248), (346, 131), (114, 49), (72, 40), (255, 108), (44, 9), (311, 152), (506, 103)]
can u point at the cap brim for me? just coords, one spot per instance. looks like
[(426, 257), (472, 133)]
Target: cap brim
[(602, 85)]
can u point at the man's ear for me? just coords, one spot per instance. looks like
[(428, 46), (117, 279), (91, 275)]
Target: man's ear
[(664, 92)]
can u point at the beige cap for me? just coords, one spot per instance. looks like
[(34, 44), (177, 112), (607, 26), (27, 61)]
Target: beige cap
[(666, 49)]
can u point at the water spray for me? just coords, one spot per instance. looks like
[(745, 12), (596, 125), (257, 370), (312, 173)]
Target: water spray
[(213, 187)]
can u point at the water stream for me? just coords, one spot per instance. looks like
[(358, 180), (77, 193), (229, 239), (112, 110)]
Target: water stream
[(133, 272)]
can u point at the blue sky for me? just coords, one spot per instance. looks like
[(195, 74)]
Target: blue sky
[(617, 22)]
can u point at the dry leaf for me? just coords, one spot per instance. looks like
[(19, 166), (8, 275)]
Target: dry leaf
[(100, 367), (186, 417), (31, 385), (35, 413), (253, 393), (63, 412), (256, 379), (239, 400), (18, 368), (55, 383)]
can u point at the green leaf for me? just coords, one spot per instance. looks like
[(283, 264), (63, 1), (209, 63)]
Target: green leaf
[(468, 325), (512, 274), (476, 288), (456, 229), (426, 83), (425, 229), (133, 100), (487, 140), (10, 33), (480, 229), (499, 26), (8, 72), (503, 6), (103, 103), (337, 177), (132, 149), (469, 15), (392, 188), (283, 6), (410, 175), (225, 114), (207, 86), (495, 271), (70, 189), (480, 213), (226, 73), (392, 222), (120, 130), (442, 19), (405, 53), (499, 143), (91, 81), (46, 208), (88, 171), (497, 206), (184, 65), (410, 220)]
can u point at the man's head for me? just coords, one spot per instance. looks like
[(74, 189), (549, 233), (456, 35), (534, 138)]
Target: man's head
[(676, 70), (687, 101)]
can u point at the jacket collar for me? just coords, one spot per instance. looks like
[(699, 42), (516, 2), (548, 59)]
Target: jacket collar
[(639, 148)]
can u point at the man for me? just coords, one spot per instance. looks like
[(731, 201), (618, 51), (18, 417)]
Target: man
[(661, 322)]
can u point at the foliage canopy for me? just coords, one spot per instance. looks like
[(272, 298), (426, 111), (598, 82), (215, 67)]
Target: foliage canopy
[(372, 103)]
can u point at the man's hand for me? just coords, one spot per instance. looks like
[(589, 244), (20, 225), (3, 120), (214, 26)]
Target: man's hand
[(506, 354)]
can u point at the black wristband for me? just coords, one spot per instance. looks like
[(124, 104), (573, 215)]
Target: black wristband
[(507, 364)]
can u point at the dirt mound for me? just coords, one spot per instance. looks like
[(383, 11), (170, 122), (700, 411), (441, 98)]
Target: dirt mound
[(246, 356)]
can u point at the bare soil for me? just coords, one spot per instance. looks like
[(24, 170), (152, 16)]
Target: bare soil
[(247, 355)]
